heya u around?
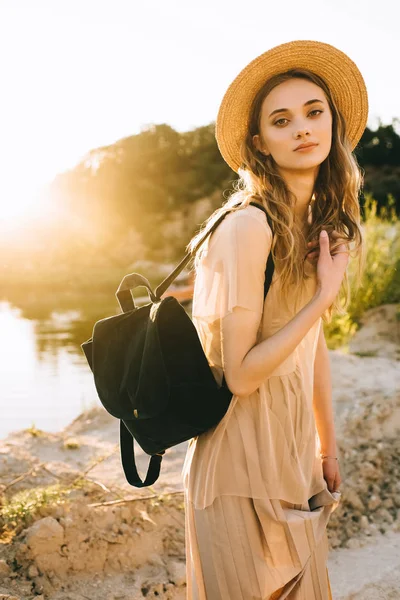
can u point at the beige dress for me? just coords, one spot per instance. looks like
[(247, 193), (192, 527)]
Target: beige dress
[(256, 502)]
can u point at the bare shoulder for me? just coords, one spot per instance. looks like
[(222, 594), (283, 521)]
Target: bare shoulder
[(246, 221)]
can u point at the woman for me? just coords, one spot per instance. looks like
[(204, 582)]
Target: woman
[(261, 485)]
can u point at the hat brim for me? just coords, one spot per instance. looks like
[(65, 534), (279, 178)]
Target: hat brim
[(339, 72)]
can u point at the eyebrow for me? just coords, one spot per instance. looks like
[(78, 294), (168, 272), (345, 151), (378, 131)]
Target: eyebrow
[(278, 110)]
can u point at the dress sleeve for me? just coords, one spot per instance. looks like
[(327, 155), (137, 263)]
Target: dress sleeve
[(232, 270)]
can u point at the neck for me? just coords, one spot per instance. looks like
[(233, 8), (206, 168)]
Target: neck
[(301, 184)]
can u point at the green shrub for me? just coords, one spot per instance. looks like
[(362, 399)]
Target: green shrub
[(22, 507), (380, 282)]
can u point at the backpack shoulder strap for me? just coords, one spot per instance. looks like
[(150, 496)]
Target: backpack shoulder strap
[(269, 269), (164, 285)]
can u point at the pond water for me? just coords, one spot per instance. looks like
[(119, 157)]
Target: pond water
[(45, 379)]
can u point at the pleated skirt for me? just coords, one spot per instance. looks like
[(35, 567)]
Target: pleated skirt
[(240, 548)]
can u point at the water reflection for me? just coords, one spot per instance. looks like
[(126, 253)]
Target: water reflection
[(45, 378)]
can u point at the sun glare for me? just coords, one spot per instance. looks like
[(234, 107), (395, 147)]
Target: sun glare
[(18, 202), (24, 201)]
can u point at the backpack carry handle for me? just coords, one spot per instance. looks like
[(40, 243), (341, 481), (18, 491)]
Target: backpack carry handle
[(127, 443), (130, 282)]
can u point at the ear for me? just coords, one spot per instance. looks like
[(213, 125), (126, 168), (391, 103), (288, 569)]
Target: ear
[(258, 144)]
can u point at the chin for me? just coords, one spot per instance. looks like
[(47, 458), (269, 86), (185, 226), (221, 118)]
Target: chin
[(304, 165)]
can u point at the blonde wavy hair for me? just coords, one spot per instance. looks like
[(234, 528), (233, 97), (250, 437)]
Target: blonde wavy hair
[(334, 202)]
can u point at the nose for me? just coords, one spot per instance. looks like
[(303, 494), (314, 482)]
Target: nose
[(301, 132)]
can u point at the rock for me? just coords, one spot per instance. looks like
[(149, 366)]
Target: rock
[(334, 541), (396, 525), (388, 503), (353, 543), (354, 499), (385, 515), (126, 514), (370, 471), (45, 536), (43, 586), (374, 502), (22, 548), (25, 588), (125, 528), (33, 572), (364, 523), (156, 560), (5, 569), (177, 572), (71, 443)]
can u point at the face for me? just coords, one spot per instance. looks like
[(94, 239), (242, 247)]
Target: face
[(288, 119)]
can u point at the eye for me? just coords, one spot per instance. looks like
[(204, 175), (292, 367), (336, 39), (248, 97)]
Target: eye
[(316, 110), (276, 122)]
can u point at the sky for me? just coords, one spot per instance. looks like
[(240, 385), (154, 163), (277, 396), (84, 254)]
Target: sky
[(79, 74)]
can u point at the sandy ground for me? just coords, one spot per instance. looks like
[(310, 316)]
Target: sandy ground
[(364, 533)]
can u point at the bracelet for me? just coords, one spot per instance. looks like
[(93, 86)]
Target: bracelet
[(326, 456)]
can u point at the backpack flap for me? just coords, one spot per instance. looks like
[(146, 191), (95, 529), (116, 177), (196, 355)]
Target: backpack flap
[(117, 356), (146, 380)]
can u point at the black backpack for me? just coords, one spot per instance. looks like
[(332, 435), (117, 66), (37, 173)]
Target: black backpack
[(150, 371)]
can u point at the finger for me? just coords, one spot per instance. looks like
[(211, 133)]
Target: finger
[(331, 483), (334, 234), (324, 242), (315, 253)]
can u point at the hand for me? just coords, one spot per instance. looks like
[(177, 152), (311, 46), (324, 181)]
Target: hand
[(331, 267), (330, 468), (335, 240)]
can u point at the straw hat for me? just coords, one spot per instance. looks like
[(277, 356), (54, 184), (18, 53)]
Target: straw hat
[(336, 68)]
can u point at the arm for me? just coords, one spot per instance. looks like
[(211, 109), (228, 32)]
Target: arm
[(235, 265), (322, 398), (247, 365)]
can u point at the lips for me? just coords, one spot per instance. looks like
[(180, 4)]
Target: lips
[(307, 145)]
